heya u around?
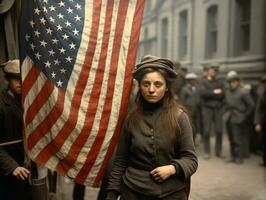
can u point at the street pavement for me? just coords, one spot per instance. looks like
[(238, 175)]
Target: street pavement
[(215, 179)]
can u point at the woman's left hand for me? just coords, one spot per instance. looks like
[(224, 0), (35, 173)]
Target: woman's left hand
[(162, 173)]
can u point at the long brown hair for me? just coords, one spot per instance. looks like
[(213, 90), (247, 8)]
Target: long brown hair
[(171, 109)]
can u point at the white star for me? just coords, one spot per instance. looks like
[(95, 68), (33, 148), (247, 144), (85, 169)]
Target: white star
[(55, 41), (32, 23), (44, 9), (37, 33), (72, 45), (68, 59), (52, 8), (27, 37), (47, 64), (52, 19), (38, 55), (42, 21), (56, 62), (60, 16), (49, 31), (78, 6), (59, 27), (62, 50), (32, 46), (67, 23), (51, 52), (53, 74), (75, 31), (65, 36), (37, 11), (43, 43), (63, 70), (59, 83), (61, 4), (69, 10), (77, 18), (45, 1)]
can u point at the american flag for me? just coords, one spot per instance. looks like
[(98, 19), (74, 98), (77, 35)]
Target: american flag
[(77, 59)]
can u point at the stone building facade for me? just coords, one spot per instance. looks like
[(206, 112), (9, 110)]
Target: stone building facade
[(230, 33)]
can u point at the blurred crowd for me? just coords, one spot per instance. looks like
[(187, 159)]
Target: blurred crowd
[(223, 106)]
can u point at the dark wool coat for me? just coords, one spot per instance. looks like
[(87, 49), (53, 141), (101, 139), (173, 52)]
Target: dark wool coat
[(11, 156), (146, 147)]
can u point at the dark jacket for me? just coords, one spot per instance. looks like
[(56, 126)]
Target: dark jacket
[(260, 111), (209, 99), (11, 156), (146, 147), (190, 98), (238, 107)]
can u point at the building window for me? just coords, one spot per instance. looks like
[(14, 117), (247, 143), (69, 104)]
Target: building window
[(147, 43), (242, 31), (211, 32), (183, 34), (164, 38)]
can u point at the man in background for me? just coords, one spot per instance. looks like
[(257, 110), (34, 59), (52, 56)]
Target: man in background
[(13, 175), (212, 98)]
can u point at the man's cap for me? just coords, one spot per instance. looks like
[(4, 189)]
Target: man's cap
[(11, 68), (5, 5), (205, 67), (232, 75), (214, 66), (191, 76), (149, 61)]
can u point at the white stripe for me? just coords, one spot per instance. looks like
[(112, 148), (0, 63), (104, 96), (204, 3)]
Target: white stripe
[(24, 69), (119, 83), (83, 154), (70, 88)]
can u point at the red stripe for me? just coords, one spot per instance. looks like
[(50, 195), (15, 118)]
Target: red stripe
[(55, 145), (29, 81), (131, 58), (65, 164), (48, 122), (38, 102), (82, 175)]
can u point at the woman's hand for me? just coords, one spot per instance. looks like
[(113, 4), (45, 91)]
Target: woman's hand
[(21, 173), (162, 173)]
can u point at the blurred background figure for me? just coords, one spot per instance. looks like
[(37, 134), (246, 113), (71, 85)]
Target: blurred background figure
[(190, 98), (13, 173), (180, 80), (238, 108), (260, 118), (212, 94)]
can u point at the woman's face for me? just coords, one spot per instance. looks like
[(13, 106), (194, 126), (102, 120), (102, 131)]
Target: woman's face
[(153, 87)]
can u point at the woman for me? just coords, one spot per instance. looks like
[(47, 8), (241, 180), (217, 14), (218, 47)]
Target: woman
[(155, 155)]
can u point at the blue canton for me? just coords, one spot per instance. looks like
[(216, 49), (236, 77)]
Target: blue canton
[(52, 34)]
